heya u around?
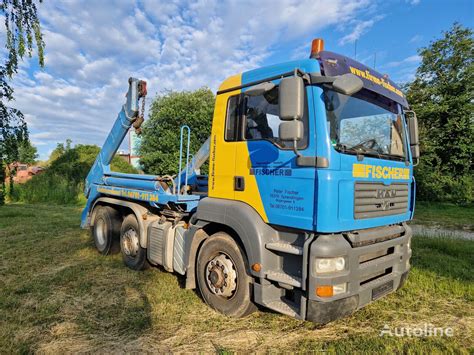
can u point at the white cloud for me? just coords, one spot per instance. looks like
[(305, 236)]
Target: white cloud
[(404, 70), (413, 59), (93, 47), (359, 29), (413, 2), (404, 75), (416, 39), (39, 139)]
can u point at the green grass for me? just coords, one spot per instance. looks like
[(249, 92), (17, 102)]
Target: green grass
[(58, 295), (446, 215)]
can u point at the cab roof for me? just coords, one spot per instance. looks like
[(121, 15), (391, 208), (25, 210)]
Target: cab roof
[(326, 63), (333, 64)]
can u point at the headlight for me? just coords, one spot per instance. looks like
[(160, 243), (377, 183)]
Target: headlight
[(326, 265)]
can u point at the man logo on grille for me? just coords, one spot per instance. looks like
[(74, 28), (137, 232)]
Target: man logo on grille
[(385, 205), (381, 193), (386, 195)]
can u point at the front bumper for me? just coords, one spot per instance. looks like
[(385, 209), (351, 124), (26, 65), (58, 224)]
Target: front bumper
[(374, 268), (325, 312)]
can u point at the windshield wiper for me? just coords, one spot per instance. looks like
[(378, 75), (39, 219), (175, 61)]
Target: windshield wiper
[(345, 148), (350, 150), (362, 150), (368, 151), (358, 148)]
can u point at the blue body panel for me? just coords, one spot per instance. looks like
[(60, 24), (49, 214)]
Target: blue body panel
[(335, 201), (336, 183), (287, 191), (315, 199)]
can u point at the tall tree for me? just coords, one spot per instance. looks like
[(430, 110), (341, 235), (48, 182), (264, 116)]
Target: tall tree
[(442, 94), (160, 141), (23, 34), (60, 150), (27, 153)]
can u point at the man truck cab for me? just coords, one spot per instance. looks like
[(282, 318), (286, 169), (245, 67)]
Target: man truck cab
[(304, 210)]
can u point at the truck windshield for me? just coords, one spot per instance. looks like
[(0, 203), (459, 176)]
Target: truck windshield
[(365, 124)]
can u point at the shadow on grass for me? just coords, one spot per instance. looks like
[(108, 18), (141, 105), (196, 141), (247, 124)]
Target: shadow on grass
[(125, 311)]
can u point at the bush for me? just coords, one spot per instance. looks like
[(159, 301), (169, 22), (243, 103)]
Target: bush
[(436, 185), (63, 181), (47, 188)]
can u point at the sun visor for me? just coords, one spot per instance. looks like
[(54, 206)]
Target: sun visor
[(335, 64)]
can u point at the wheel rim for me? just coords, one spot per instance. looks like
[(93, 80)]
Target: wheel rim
[(101, 231), (130, 242), (221, 276)]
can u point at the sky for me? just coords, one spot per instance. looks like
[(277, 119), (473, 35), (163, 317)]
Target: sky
[(93, 47)]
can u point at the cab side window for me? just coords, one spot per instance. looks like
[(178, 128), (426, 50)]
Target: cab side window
[(232, 119), (261, 119), (257, 118), (261, 116)]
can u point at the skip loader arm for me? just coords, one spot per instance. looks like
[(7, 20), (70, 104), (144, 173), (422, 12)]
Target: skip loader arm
[(128, 116)]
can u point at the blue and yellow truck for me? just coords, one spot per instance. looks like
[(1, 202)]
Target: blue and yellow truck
[(305, 206)]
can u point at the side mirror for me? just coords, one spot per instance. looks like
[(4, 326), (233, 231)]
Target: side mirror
[(291, 97), (347, 84), (291, 131), (412, 123)]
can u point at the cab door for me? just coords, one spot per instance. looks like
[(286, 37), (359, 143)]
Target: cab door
[(223, 142), (267, 176)]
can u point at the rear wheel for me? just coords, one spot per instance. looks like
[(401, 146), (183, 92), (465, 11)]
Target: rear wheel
[(222, 276), (134, 256), (106, 230)]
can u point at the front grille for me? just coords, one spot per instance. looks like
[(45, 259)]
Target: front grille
[(376, 276), (377, 261), (375, 255), (374, 199)]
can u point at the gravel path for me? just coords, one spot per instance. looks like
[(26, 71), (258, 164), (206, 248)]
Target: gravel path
[(429, 231)]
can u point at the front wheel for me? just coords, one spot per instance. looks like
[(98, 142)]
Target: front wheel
[(222, 276), (133, 255)]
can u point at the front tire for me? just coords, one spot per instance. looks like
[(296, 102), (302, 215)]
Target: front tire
[(222, 276), (133, 255), (106, 230)]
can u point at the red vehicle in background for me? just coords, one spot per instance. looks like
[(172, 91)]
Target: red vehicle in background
[(23, 172)]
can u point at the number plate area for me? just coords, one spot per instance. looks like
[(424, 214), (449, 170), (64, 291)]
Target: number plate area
[(381, 290)]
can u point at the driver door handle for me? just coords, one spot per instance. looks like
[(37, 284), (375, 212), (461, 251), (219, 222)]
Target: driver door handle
[(239, 183)]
